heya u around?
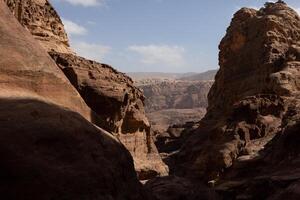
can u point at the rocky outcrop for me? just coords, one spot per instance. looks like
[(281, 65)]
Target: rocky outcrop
[(40, 18), (28, 71), (49, 149), (111, 95), (246, 145), (257, 79), (170, 142), (119, 105)]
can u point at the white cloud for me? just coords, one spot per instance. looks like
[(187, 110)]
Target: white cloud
[(298, 10), (90, 51), (86, 3), (74, 29), (160, 54)]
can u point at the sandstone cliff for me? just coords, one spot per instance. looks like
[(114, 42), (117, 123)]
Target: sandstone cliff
[(48, 149), (40, 18), (110, 94), (257, 80), (246, 146), (119, 105), (172, 106), (170, 102), (176, 95)]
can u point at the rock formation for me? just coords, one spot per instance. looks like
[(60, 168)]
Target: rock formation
[(247, 147), (176, 95), (170, 102), (40, 18), (28, 71), (178, 188), (110, 94), (257, 79), (49, 149), (123, 113), (173, 106)]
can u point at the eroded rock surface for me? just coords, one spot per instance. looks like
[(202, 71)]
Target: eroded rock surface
[(245, 147), (257, 80), (49, 149), (178, 188), (111, 95), (120, 107), (170, 102), (176, 95), (40, 18), (28, 71)]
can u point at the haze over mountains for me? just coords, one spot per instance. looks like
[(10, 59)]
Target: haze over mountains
[(174, 98), (142, 76)]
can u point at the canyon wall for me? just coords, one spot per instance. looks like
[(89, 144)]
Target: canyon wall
[(117, 104), (246, 147), (43, 22), (49, 148)]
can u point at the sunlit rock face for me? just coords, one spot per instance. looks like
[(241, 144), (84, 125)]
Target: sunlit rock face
[(49, 147), (40, 18), (248, 133), (118, 106)]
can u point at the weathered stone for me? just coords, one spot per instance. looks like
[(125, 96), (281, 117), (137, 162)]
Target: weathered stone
[(111, 95), (257, 79), (49, 149), (120, 107), (40, 18)]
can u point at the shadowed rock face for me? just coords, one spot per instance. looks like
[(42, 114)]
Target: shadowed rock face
[(119, 105), (247, 144), (111, 95), (28, 71), (178, 188), (48, 152), (48, 149), (40, 18), (258, 78)]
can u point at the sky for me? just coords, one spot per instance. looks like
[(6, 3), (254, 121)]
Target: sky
[(151, 35)]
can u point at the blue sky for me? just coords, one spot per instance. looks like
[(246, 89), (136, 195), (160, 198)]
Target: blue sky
[(151, 35)]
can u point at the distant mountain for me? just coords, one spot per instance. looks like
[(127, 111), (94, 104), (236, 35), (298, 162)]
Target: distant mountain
[(190, 76), (173, 98), (157, 75), (208, 75)]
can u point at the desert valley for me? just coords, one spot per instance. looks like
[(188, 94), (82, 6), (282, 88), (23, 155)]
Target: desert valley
[(75, 129)]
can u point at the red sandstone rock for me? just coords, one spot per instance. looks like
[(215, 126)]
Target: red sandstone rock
[(247, 146), (40, 18), (110, 94), (48, 149)]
